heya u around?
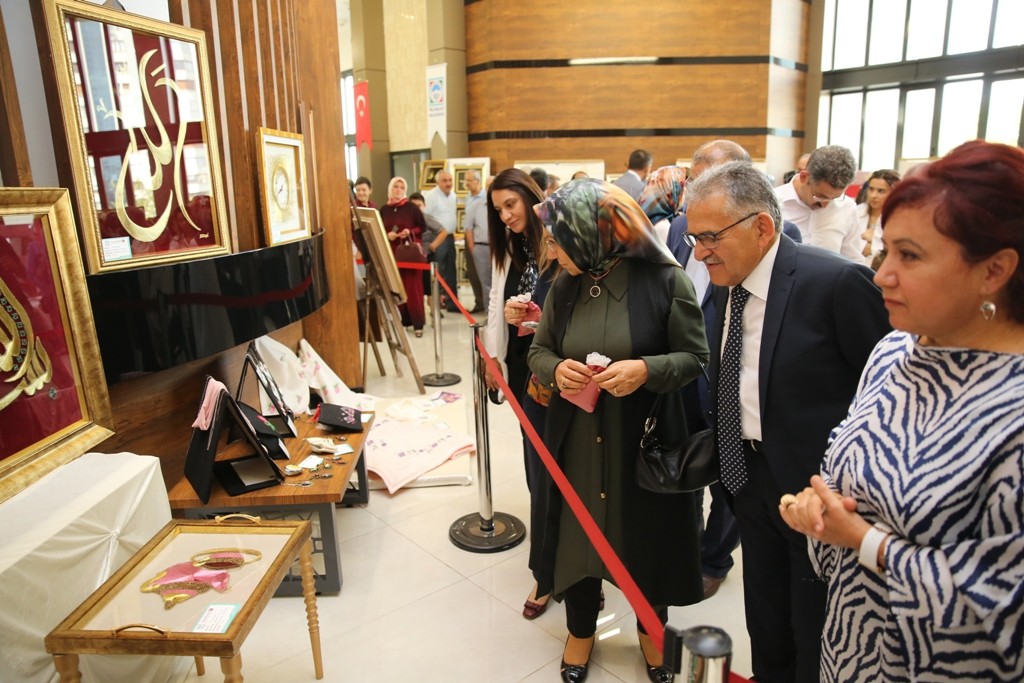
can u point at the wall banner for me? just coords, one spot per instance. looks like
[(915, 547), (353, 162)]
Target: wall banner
[(437, 102)]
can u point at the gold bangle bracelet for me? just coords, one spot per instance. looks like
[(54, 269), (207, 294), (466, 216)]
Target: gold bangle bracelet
[(225, 558)]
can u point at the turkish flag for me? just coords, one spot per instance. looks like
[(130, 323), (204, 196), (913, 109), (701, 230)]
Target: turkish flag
[(361, 93)]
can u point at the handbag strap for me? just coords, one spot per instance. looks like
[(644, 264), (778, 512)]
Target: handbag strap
[(652, 419)]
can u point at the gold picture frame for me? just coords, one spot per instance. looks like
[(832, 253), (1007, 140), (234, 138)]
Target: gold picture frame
[(138, 144), (460, 220), (428, 173), (54, 404), (380, 257), (282, 166), (459, 172)]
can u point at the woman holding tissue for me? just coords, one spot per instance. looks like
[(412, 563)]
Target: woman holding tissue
[(622, 296), (521, 274)]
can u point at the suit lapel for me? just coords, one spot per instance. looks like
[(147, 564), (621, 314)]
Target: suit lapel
[(783, 276)]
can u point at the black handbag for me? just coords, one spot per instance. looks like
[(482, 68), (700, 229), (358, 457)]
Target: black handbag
[(667, 464)]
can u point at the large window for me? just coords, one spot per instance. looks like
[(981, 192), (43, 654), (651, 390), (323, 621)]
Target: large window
[(912, 79), (348, 120)]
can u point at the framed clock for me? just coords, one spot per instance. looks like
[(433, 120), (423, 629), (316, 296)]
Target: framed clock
[(283, 186)]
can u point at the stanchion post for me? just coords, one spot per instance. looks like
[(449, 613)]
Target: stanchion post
[(702, 654), (485, 531), (439, 378)]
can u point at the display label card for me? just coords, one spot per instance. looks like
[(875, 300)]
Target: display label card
[(117, 248), (216, 619)]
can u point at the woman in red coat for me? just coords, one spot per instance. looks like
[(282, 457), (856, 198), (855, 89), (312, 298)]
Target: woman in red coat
[(404, 219)]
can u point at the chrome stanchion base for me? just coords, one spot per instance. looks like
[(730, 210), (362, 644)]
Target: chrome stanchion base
[(467, 533), (444, 379)]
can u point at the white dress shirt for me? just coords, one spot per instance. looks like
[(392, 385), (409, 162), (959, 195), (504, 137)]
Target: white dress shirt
[(442, 207), (750, 356), (833, 227)]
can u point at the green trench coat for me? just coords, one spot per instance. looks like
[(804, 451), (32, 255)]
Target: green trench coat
[(654, 535)]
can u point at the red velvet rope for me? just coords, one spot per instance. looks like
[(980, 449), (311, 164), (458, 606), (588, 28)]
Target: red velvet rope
[(645, 613)]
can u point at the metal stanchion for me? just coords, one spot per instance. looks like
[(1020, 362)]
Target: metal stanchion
[(485, 531), (439, 378), (702, 654)]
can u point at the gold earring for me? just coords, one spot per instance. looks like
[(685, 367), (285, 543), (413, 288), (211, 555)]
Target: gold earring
[(988, 310)]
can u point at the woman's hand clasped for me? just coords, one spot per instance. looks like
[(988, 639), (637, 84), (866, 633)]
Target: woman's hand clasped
[(824, 515), (622, 377), (571, 376)]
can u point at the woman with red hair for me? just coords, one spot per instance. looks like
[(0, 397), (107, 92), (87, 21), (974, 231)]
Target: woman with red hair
[(917, 519)]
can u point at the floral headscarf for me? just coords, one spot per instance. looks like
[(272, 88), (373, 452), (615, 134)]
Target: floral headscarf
[(596, 223), (664, 194)]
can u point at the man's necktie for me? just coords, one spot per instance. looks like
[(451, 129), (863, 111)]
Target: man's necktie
[(730, 449)]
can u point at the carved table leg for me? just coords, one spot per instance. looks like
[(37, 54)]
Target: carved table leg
[(67, 667), (309, 592), (232, 668)]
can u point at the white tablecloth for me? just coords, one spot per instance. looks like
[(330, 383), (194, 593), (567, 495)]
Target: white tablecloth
[(59, 540)]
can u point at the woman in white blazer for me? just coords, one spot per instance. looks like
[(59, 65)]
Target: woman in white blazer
[(520, 265)]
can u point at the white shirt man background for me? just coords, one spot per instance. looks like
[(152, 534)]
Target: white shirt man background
[(815, 200)]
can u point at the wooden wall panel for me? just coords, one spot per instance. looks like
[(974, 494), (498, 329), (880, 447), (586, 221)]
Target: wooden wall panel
[(727, 70), (642, 97), (253, 88), (333, 330), (541, 29)]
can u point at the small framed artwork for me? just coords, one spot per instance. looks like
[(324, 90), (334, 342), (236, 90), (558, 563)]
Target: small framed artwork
[(53, 397), (380, 256), (459, 176), (283, 186), (428, 173), (460, 219), (135, 98)]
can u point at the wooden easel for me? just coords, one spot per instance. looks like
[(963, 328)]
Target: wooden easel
[(385, 304)]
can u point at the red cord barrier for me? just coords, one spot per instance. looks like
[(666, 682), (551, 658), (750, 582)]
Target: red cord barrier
[(645, 613)]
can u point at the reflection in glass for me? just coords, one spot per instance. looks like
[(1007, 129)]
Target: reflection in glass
[(1004, 111), (1009, 24), (961, 105), (918, 113), (888, 19), (141, 109), (927, 29), (845, 126), (851, 33), (881, 112), (828, 37), (968, 26), (824, 112)]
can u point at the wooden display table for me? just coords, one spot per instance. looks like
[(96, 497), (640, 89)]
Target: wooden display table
[(119, 618), (288, 502)]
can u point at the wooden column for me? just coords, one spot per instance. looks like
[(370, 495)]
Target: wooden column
[(334, 329)]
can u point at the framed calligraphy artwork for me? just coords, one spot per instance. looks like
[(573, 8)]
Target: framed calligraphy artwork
[(135, 97), (283, 186), (53, 397)]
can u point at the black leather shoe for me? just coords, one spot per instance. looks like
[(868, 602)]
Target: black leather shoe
[(576, 673), (659, 674)]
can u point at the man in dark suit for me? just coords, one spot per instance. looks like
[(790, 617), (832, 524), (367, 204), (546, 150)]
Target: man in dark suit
[(720, 536), (783, 371)]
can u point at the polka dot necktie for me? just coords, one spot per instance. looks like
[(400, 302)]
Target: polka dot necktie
[(730, 449)]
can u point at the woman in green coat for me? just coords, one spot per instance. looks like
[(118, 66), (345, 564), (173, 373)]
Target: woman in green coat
[(621, 295)]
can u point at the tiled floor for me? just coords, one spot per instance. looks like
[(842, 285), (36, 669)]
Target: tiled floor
[(414, 607)]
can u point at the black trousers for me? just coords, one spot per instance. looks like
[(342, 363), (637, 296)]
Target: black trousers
[(783, 597), (720, 537), (582, 604)]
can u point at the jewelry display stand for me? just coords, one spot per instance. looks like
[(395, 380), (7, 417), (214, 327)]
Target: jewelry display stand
[(121, 618)]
